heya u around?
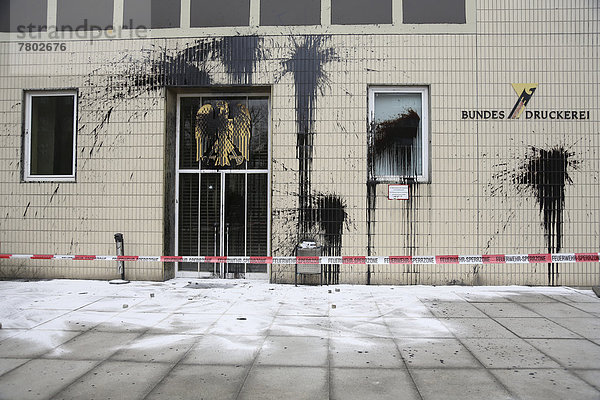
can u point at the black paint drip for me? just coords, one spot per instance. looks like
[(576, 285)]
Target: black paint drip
[(306, 65), (240, 54), (331, 215), (391, 141), (546, 173)]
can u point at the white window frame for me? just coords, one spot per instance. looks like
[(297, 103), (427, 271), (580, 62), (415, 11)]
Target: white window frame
[(28, 176), (424, 92)]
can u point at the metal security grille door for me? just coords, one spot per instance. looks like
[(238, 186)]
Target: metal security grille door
[(223, 183)]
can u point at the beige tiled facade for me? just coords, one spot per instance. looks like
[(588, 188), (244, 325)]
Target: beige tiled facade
[(475, 200)]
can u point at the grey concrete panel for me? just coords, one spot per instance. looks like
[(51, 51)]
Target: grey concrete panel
[(290, 12), (294, 351), (464, 384), (117, 380), (348, 12), (381, 384), (40, 379), (435, 353), (264, 383), (23, 15), (433, 12), (152, 13), (205, 13), (542, 384), (201, 382), (84, 15)]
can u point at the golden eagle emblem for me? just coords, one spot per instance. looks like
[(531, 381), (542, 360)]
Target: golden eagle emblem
[(221, 138)]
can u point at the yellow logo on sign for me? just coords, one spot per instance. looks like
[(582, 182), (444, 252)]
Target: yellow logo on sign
[(525, 92), (227, 138)]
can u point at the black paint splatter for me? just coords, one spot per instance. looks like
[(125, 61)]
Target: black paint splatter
[(330, 215), (306, 64), (392, 141), (240, 54), (545, 174)]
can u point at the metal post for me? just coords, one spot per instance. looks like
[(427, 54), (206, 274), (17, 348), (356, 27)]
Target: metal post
[(120, 263), (215, 225)]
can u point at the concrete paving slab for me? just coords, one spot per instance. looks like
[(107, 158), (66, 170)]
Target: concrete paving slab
[(504, 310), (561, 310), (547, 384), (483, 296), (417, 327), (41, 379), (189, 382), (294, 351), (464, 384), (156, 348), (477, 328), (536, 328), (454, 309), (369, 383), (186, 323), (8, 364), (285, 325), (300, 383), (8, 333), (591, 308), (217, 339), (224, 350), (576, 297), (240, 325), (588, 328), (76, 321), (32, 344), (117, 380), (358, 327), (364, 353), (306, 307), (508, 353), (529, 296), (113, 304), (436, 353), (570, 353), (131, 321), (66, 302), (404, 308), (27, 319), (92, 345), (592, 377)]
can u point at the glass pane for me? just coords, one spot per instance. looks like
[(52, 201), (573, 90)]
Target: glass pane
[(188, 219), (210, 216), (257, 220), (219, 13), (433, 12), (259, 141), (235, 219), (187, 134), (397, 136), (52, 135)]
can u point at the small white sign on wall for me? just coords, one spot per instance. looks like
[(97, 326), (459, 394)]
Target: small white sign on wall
[(397, 192)]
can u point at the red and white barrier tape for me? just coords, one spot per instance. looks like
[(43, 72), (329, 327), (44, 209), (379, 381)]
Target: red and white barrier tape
[(415, 260)]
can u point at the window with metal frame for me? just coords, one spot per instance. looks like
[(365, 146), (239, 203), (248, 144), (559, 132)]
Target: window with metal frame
[(398, 137), (50, 136)]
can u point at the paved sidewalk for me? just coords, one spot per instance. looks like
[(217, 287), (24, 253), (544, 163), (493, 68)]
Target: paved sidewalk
[(215, 339)]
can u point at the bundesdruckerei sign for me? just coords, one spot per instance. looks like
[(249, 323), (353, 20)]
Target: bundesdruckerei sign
[(525, 92)]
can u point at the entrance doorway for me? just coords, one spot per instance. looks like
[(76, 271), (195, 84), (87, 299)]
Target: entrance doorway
[(223, 181)]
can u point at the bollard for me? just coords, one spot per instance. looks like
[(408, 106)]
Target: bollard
[(120, 263)]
